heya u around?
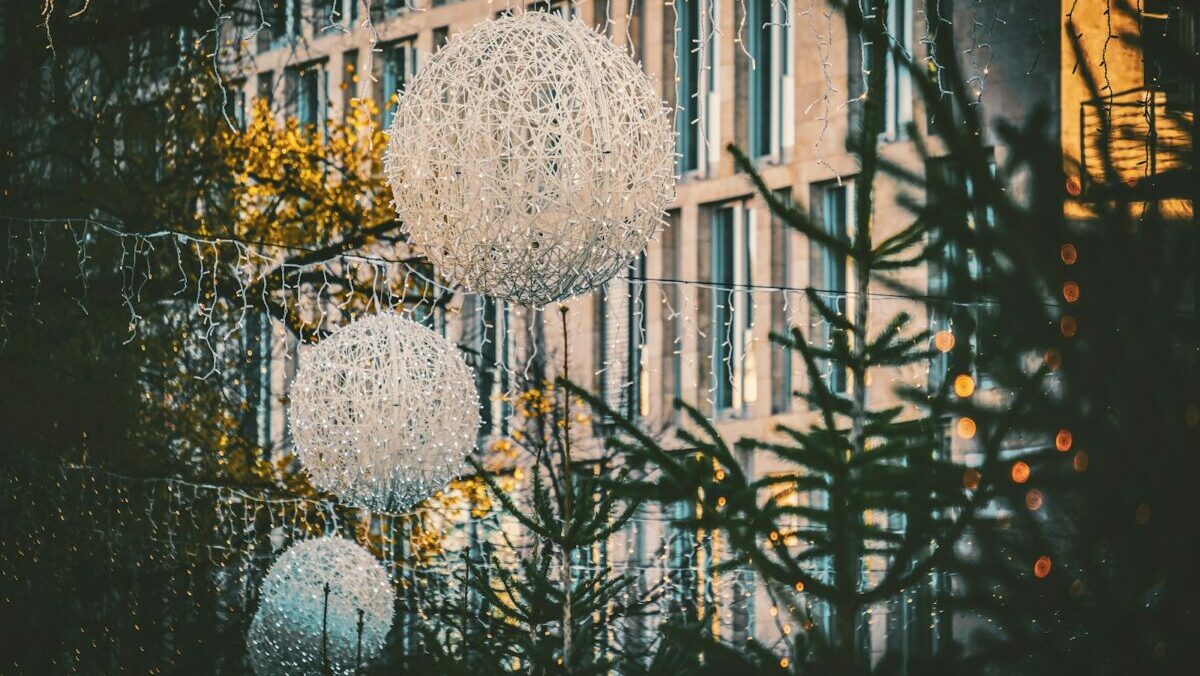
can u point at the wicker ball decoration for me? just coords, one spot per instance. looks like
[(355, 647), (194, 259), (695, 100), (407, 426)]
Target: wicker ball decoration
[(299, 629), (383, 413), (531, 159)]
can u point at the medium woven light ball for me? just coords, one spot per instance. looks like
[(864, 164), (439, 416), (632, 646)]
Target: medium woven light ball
[(531, 159), (383, 413), (298, 629)]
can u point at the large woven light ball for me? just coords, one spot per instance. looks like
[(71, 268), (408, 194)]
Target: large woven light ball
[(383, 413), (531, 159), (299, 629)]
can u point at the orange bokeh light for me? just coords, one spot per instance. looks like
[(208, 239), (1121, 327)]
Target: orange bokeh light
[(1020, 471), (1053, 358), (965, 428), (1033, 500), (1068, 254), (1080, 462), (944, 341), (964, 385), (1070, 292), (1074, 187), (1068, 326), (1042, 566), (1063, 440), (971, 479)]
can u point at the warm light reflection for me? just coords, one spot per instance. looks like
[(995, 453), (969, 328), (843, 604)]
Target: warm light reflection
[(944, 341), (1068, 326), (1063, 440), (966, 428), (1033, 500), (1042, 566), (1070, 292), (964, 385), (1020, 471)]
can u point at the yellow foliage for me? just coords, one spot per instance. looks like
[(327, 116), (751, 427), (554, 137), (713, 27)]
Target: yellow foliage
[(304, 185)]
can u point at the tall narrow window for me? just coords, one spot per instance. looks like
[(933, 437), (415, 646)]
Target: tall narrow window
[(732, 376), (672, 339), (399, 67), (308, 96), (638, 401), (896, 98), (266, 86), (619, 321), (277, 18), (695, 83), (349, 80), (899, 80), (830, 204), (683, 564), (486, 335), (955, 270), (235, 103), (768, 76), (781, 308)]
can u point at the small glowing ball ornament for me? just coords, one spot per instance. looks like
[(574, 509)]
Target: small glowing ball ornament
[(383, 413), (312, 603), (531, 160)]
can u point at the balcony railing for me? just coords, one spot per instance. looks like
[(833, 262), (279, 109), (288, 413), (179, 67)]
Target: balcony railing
[(1139, 137)]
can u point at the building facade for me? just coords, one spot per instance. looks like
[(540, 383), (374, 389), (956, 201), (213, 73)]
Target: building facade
[(691, 320)]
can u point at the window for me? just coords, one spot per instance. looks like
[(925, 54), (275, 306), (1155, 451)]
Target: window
[(306, 93), (940, 31), (896, 99), (781, 310), (266, 86), (899, 81), (487, 351), (831, 206), (619, 321), (349, 80), (234, 104), (769, 117), (636, 30), (727, 252), (275, 15), (695, 85), (672, 340), (683, 566), (562, 8), (399, 67), (257, 379), (950, 206), (638, 402), (381, 9), (441, 36)]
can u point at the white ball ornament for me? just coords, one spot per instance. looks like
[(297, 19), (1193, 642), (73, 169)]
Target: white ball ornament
[(531, 159), (310, 607), (383, 413)]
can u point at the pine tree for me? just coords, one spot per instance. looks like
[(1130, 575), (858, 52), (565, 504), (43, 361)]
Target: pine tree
[(876, 482), (540, 602)]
